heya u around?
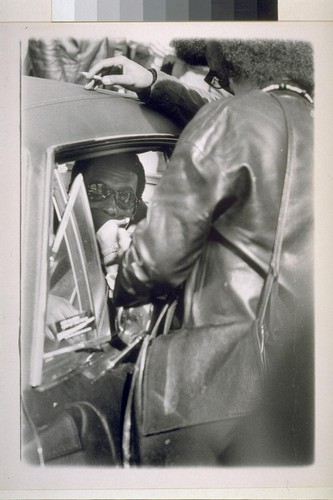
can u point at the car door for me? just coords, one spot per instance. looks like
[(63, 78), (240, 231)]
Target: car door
[(73, 359)]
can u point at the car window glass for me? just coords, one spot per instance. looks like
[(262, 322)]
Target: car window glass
[(76, 316)]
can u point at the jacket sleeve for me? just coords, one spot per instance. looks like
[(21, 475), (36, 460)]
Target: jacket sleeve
[(175, 99), (167, 243)]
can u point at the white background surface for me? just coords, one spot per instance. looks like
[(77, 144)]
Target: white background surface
[(20, 481)]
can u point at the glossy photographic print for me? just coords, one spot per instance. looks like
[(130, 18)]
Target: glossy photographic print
[(167, 240)]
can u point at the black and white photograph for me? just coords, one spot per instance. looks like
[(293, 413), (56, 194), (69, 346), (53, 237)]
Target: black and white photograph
[(167, 288)]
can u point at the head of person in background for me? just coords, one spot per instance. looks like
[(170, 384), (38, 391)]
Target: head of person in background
[(114, 184)]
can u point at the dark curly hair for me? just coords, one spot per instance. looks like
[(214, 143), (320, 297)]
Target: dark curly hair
[(258, 60), (129, 160), (191, 51), (262, 60)]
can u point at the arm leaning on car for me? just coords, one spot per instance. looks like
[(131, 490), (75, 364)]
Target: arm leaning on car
[(166, 94)]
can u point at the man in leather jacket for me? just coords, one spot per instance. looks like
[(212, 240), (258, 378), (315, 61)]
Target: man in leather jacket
[(227, 173)]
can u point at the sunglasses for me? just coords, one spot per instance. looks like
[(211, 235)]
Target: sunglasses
[(215, 81), (97, 191)]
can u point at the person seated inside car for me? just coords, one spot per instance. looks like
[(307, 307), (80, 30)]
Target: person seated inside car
[(114, 185)]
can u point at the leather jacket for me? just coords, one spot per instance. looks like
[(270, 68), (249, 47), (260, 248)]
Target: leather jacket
[(227, 171)]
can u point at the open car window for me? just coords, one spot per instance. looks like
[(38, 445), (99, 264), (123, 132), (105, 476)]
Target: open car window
[(78, 321), (154, 164)]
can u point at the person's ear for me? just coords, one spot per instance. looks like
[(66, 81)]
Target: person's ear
[(232, 84)]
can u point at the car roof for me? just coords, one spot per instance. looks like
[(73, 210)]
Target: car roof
[(58, 113)]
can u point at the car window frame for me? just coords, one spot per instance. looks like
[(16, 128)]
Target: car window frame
[(58, 154)]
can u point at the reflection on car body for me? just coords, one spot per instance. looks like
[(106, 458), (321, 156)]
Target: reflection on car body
[(63, 362)]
